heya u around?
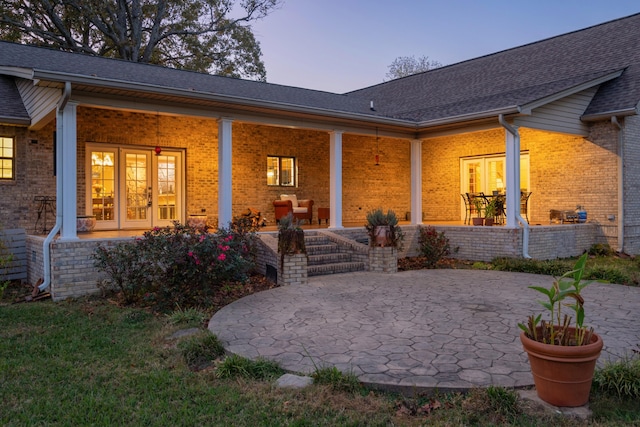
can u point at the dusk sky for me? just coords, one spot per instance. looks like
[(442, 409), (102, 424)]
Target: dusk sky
[(343, 45)]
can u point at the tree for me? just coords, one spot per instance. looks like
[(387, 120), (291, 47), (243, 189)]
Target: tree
[(404, 66), (202, 35)]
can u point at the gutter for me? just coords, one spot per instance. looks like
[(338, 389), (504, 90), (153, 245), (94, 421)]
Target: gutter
[(523, 224), (46, 246), (620, 248)]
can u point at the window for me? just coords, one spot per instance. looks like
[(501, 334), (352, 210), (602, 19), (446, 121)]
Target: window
[(6, 157), (281, 171)]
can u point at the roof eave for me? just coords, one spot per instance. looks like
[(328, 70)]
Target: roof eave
[(512, 109), (228, 99), (608, 114), (17, 121)]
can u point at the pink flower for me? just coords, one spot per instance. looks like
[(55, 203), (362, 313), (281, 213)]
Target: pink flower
[(228, 238), (197, 261), (222, 257), (202, 238), (190, 253)]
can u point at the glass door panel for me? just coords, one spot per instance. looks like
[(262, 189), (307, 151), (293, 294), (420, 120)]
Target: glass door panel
[(167, 207), (137, 189), (103, 185)]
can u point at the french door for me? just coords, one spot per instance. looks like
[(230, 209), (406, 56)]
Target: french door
[(487, 174), (134, 187)]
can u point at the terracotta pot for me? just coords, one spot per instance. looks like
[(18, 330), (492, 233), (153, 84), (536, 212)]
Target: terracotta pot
[(478, 221), (562, 374), (488, 221), (383, 235)]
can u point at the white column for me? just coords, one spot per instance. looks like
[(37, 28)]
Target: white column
[(512, 151), (225, 215), (66, 141), (335, 174), (416, 181)]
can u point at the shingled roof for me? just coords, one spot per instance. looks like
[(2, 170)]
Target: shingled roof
[(507, 80), (523, 75), (11, 108)]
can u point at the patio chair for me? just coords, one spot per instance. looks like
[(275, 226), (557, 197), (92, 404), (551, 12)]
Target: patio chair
[(467, 207), (524, 204)]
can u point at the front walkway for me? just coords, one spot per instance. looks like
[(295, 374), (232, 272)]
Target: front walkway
[(414, 330)]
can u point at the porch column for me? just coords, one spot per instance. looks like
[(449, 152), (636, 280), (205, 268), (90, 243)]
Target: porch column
[(512, 151), (66, 140), (335, 176), (225, 215), (416, 181)]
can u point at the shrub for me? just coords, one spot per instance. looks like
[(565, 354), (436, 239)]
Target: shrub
[(433, 245), (177, 265), (608, 273), (550, 267), (601, 249), (6, 259), (620, 378)]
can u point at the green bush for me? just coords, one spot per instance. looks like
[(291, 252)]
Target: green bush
[(177, 265), (433, 245), (259, 369), (555, 267), (620, 378), (607, 273)]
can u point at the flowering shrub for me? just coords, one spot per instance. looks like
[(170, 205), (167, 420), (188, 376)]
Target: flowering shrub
[(433, 245), (178, 264)]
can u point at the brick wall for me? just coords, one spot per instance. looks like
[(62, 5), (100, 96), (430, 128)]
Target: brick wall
[(33, 177)]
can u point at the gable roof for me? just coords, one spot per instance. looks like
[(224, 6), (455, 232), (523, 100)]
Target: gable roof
[(505, 82), (522, 75)]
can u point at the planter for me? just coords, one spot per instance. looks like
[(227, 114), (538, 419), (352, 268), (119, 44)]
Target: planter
[(562, 374), (477, 221), (85, 223), (489, 221), (383, 235)]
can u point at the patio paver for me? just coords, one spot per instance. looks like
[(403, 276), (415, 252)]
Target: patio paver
[(414, 330)]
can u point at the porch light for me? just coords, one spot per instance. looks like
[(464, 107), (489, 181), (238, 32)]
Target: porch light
[(158, 150)]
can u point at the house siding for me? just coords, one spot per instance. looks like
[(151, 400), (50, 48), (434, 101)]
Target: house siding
[(562, 115), (40, 102), (631, 138)]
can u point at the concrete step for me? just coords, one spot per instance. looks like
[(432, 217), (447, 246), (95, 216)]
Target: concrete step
[(328, 248), (329, 258), (344, 267)]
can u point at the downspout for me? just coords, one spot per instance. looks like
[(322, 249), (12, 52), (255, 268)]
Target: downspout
[(524, 224), (620, 248), (46, 246)]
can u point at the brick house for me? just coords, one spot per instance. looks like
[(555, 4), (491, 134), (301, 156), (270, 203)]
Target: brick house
[(138, 146)]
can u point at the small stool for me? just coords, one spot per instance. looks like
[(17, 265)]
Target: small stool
[(323, 213)]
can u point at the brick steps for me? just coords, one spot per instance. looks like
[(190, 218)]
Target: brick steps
[(326, 257)]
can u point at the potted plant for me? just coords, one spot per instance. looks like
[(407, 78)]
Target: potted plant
[(290, 237), (562, 356), (383, 228), (490, 210), (478, 203)]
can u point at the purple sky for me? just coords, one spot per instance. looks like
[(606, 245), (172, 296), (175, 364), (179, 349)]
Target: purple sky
[(343, 45)]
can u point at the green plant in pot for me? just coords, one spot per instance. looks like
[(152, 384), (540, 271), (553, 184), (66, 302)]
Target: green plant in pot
[(562, 355), (290, 237), (383, 228), (490, 210), (478, 204)]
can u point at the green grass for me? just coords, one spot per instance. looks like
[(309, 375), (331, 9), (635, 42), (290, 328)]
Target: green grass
[(89, 362)]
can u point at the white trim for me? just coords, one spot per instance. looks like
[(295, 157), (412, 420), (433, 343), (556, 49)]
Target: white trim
[(416, 182), (335, 173), (225, 198)]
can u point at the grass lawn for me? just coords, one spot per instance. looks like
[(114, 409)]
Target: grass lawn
[(91, 361)]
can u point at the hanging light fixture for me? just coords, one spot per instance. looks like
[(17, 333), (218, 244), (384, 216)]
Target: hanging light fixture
[(377, 149)]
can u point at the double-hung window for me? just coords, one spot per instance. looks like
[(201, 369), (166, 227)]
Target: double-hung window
[(281, 171), (7, 158)]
